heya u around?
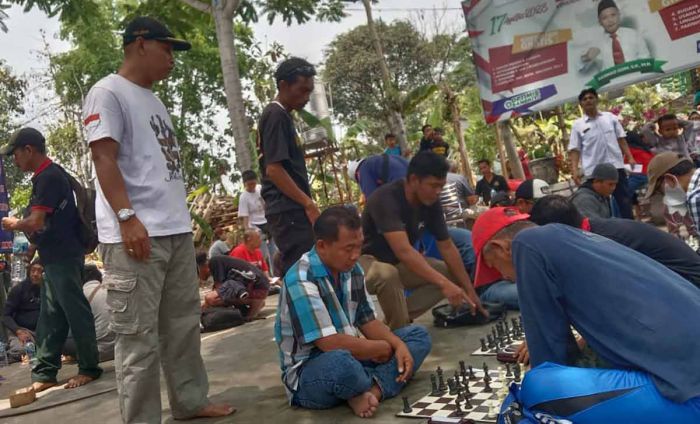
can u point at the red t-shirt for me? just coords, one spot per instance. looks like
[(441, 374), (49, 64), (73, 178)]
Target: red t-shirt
[(255, 257)]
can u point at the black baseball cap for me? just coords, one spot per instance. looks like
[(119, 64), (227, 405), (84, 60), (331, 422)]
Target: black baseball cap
[(24, 137), (150, 29)]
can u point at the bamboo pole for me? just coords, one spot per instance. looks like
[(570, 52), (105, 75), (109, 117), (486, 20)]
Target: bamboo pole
[(515, 165)]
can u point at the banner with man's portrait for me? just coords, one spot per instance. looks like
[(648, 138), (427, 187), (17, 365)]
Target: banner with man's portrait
[(536, 54)]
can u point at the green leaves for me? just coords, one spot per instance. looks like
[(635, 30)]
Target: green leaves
[(411, 100)]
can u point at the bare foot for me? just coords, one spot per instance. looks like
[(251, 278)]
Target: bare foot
[(215, 410), (77, 381), (40, 387), (364, 405)]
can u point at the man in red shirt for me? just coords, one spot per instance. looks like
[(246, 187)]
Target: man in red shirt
[(250, 251)]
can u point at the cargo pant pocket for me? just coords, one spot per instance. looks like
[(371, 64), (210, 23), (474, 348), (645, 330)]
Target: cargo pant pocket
[(121, 302)]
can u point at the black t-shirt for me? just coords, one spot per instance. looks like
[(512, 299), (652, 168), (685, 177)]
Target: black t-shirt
[(60, 238), (658, 245), (22, 307), (483, 187), (220, 266), (425, 144), (387, 211), (279, 143)]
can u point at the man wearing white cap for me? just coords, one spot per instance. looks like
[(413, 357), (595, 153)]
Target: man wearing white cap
[(528, 192)]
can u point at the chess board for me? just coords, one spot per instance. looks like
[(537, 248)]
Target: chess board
[(497, 340), (444, 406)]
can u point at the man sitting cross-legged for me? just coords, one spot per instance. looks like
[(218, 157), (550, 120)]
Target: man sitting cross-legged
[(634, 313), (323, 309)]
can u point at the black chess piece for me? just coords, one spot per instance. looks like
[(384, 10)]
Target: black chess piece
[(467, 393), (472, 375), (516, 373), (458, 384), (505, 326), (489, 341), (514, 323), (507, 338), (467, 404), (487, 385), (441, 381), (452, 385), (485, 368), (483, 345), (463, 370), (458, 412), (493, 333), (499, 329), (509, 371), (406, 406), (434, 386)]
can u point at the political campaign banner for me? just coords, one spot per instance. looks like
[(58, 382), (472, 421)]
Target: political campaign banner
[(6, 237), (533, 55)]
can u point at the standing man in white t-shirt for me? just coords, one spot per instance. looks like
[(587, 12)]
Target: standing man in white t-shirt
[(251, 212), (145, 233)]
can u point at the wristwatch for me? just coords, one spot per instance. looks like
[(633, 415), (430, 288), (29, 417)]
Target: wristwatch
[(125, 214)]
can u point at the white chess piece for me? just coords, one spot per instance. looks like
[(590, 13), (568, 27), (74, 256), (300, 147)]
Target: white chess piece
[(493, 410)]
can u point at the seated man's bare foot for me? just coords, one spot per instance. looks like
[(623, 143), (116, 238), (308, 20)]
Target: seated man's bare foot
[(215, 410), (77, 381), (364, 405), (39, 386)]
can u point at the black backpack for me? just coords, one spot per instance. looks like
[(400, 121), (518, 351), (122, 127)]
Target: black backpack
[(85, 205)]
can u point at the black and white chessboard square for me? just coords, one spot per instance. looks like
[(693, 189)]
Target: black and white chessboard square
[(444, 406)]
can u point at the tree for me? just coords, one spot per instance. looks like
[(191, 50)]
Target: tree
[(355, 75), (12, 92), (223, 13)]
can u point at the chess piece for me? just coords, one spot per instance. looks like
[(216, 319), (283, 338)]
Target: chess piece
[(490, 342), (493, 411), (458, 412), (472, 375), (434, 386), (507, 338), (509, 371), (467, 393), (485, 368), (501, 374), (505, 326), (452, 385), (406, 406), (487, 385), (441, 381), (467, 403), (516, 373), (514, 323), (462, 367), (493, 333), (457, 383), (483, 345)]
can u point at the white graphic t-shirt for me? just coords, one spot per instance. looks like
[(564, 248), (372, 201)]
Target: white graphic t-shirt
[(252, 205), (149, 157)]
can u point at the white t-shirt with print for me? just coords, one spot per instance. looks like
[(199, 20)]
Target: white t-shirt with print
[(149, 157), (252, 205)]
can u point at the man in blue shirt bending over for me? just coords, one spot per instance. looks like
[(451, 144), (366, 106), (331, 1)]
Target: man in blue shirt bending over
[(323, 309), (634, 313)]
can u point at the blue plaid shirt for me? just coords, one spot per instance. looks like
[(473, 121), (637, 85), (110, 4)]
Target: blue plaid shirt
[(310, 308)]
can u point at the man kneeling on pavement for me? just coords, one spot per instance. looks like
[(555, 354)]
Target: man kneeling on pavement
[(239, 291), (323, 308)]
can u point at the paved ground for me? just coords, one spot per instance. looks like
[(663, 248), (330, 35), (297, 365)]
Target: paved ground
[(243, 369)]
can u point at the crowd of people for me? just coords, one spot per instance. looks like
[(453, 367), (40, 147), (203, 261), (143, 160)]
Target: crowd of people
[(630, 290)]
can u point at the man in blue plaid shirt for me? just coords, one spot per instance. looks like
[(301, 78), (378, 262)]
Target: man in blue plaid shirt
[(323, 309)]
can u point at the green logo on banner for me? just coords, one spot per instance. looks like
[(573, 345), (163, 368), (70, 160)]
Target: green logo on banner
[(643, 66)]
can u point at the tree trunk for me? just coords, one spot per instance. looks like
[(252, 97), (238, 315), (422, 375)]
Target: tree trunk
[(515, 165), (457, 126), (223, 19), (501, 150), (561, 122), (398, 128)]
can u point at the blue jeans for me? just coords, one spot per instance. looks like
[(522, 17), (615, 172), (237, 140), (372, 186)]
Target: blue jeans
[(330, 378), (503, 291), (461, 238)]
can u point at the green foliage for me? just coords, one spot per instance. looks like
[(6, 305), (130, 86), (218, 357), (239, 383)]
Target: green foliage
[(300, 11), (12, 92)]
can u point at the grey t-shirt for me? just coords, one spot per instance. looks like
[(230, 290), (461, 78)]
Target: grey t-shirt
[(100, 310), (219, 248)]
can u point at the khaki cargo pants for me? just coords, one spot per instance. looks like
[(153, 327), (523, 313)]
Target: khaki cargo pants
[(155, 313), (388, 283)]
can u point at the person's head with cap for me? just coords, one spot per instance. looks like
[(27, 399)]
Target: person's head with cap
[(669, 173), (148, 51), (604, 179), (28, 147), (295, 82), (425, 178), (500, 199), (529, 192), (609, 16), (492, 235)]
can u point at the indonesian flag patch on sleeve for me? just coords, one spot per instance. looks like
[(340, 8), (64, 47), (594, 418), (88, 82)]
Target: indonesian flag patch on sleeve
[(91, 118)]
